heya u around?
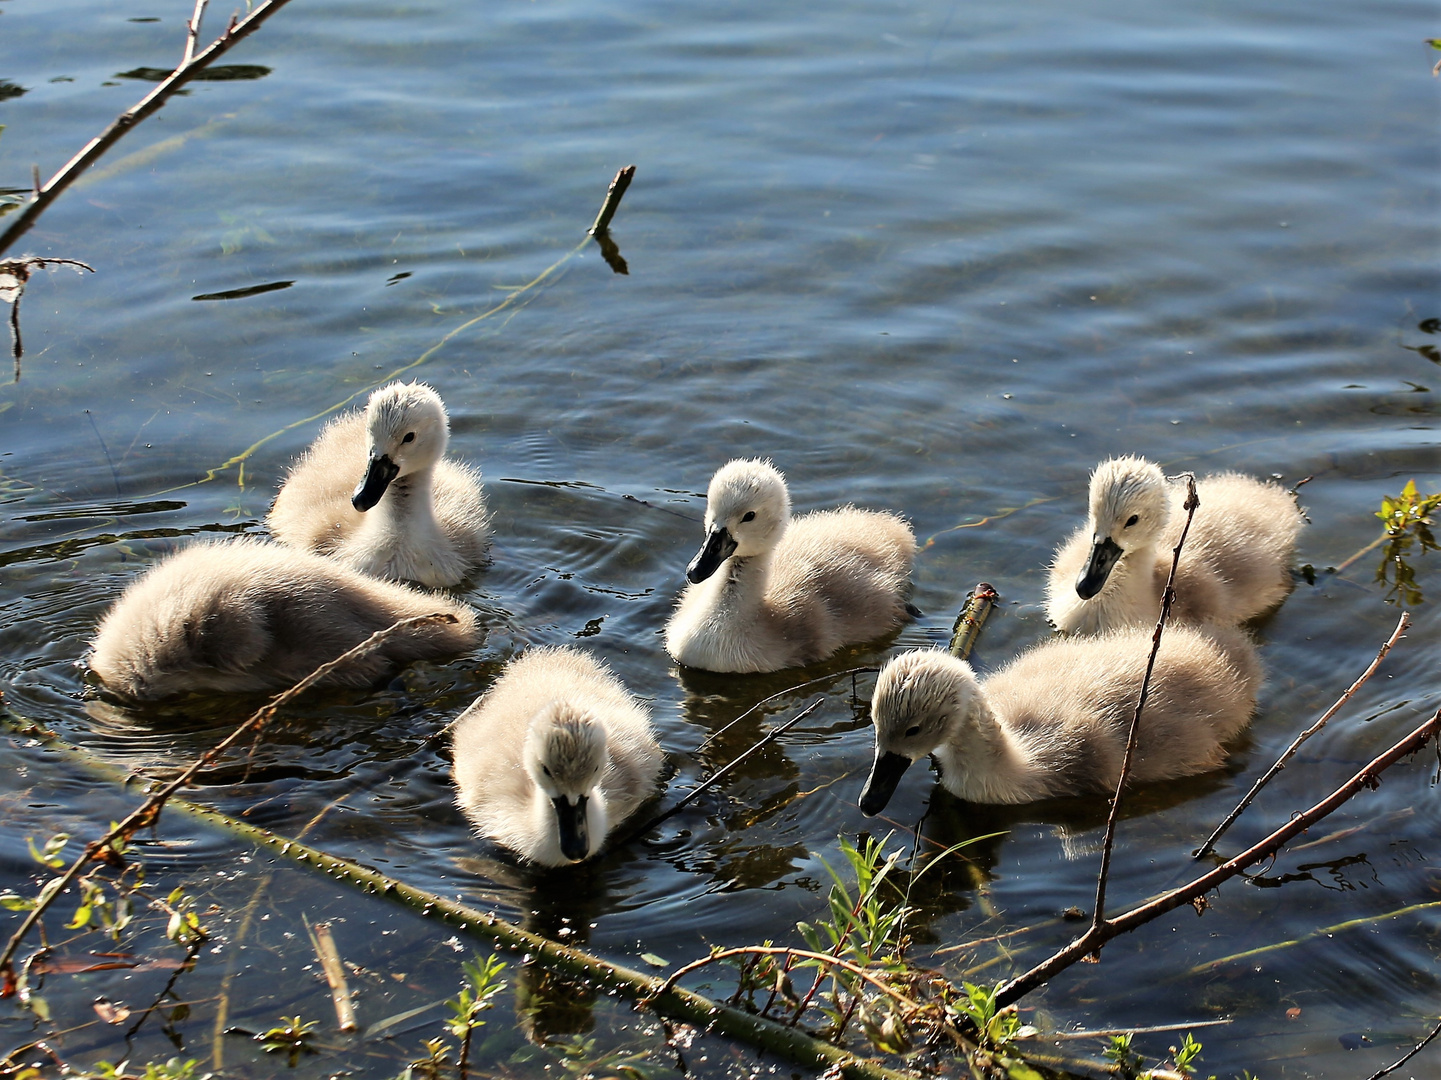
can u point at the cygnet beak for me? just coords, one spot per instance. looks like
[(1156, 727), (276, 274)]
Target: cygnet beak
[(378, 476), (574, 836), (886, 773), (1098, 569), (718, 547)]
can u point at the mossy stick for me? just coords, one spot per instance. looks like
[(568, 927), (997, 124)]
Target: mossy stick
[(967, 627), (676, 1003)]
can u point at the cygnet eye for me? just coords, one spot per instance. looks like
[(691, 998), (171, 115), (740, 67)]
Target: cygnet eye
[(410, 437), (545, 769), (1133, 519), (913, 731), (749, 516)]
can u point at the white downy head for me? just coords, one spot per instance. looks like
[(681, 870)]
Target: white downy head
[(407, 430), (565, 754), (747, 510), (921, 699)]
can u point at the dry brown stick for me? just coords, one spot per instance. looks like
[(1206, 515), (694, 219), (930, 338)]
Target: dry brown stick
[(1205, 849), (1095, 936), (613, 195), (235, 32), (1414, 1050), (967, 627), (1168, 597), (329, 956), (149, 811)]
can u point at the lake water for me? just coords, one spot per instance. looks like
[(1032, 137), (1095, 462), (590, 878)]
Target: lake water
[(931, 256)]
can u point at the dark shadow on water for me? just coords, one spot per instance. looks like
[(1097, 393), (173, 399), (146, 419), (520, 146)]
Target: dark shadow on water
[(218, 73)]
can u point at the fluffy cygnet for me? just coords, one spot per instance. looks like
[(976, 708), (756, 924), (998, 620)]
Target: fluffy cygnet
[(767, 592), (554, 756), (414, 515), (1235, 565), (1055, 720), (246, 615)]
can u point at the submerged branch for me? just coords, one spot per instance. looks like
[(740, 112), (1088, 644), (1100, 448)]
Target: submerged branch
[(1205, 849)]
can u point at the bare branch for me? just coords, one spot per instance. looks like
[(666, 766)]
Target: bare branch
[(1168, 597), (192, 31), (1206, 848), (1096, 936), (237, 31)]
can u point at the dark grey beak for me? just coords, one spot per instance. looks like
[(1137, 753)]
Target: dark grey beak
[(574, 836), (718, 547), (886, 773), (1103, 560), (377, 478)]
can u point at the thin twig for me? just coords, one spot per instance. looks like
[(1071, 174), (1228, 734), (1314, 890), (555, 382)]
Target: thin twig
[(1095, 936), (714, 735), (1415, 1049), (149, 811), (14, 275), (967, 627), (613, 195), (192, 31), (724, 770), (236, 32), (1168, 597), (1205, 849)]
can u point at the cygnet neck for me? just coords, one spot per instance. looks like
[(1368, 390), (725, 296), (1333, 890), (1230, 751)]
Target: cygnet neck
[(980, 760)]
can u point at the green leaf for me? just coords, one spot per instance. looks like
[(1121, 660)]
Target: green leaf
[(15, 902), (82, 917), (655, 961)]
